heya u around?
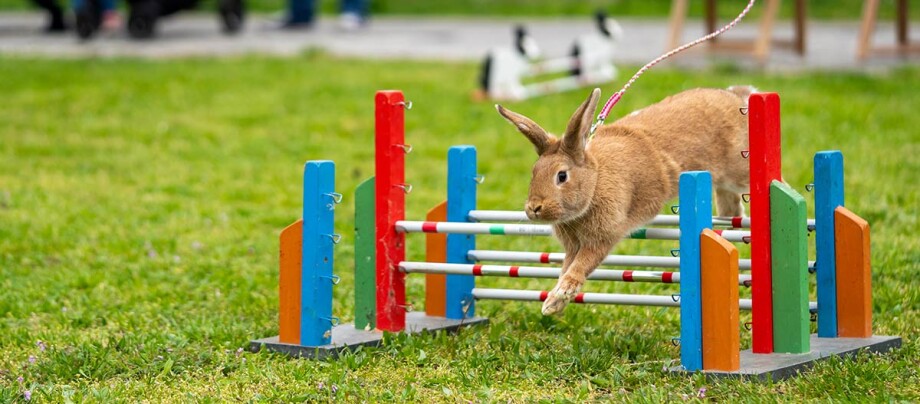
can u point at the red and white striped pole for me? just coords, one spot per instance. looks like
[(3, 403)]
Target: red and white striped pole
[(510, 271), (598, 298), (611, 260)]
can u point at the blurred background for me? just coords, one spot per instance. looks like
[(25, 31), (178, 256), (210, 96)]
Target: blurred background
[(822, 33)]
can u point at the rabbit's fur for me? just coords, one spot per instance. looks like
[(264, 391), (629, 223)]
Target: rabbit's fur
[(621, 178)]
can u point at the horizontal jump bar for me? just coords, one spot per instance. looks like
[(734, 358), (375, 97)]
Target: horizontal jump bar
[(543, 272), (597, 298), (614, 260), (660, 220), (407, 226)]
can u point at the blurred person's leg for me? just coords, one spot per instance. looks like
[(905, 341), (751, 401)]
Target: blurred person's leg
[(88, 17), (353, 14), (300, 13), (55, 15)]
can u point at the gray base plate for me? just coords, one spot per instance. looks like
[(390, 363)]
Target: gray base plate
[(345, 337), (778, 366)]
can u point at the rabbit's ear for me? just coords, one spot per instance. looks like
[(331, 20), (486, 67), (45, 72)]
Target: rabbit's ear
[(537, 135), (576, 133)]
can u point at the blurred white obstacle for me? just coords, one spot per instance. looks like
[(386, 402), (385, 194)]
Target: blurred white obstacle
[(514, 73)]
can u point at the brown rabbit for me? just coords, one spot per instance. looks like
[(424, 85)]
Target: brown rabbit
[(595, 192)]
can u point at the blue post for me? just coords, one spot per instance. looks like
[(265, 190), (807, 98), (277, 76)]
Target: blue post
[(319, 198), (461, 199), (695, 215), (828, 196)]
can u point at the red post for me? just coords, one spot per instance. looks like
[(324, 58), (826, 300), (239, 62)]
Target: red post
[(765, 158), (390, 206)]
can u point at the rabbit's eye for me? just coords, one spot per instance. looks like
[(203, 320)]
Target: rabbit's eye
[(561, 177)]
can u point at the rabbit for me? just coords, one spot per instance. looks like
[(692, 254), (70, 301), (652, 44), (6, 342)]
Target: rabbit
[(594, 192)]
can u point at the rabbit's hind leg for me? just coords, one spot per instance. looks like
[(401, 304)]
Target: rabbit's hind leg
[(728, 203)]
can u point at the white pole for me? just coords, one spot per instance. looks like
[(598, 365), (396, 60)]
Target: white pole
[(598, 298), (545, 258), (585, 298), (652, 233), (498, 216), (543, 272), (407, 226), (612, 260), (660, 220)]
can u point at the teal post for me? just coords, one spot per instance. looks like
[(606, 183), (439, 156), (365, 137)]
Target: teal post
[(461, 199), (319, 199), (695, 215), (828, 196)]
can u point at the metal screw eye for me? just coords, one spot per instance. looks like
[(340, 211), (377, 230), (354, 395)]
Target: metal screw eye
[(407, 148)]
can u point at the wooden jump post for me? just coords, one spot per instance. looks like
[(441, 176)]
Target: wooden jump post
[(306, 261)]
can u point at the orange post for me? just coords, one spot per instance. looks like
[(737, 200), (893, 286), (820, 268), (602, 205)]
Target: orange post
[(719, 294), (289, 284), (436, 251), (854, 275)]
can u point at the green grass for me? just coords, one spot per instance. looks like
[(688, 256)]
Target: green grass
[(818, 9), (140, 204)]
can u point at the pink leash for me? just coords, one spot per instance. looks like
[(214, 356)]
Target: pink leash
[(619, 94)]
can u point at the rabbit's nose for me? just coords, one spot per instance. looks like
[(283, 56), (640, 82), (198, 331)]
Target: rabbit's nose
[(535, 209)]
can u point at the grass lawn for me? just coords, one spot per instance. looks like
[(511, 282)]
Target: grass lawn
[(141, 201)]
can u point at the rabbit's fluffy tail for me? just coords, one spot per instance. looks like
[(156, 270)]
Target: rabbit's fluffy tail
[(742, 91)]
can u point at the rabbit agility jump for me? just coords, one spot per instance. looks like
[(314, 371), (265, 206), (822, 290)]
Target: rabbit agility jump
[(595, 192)]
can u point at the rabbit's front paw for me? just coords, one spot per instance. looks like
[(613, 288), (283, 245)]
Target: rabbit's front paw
[(564, 292)]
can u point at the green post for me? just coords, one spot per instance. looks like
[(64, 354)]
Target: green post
[(365, 268), (788, 237)]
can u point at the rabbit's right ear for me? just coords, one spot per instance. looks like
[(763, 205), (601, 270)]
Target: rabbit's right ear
[(576, 133), (537, 135)]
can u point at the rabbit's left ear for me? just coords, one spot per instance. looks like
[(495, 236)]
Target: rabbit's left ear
[(576, 133), (533, 132)]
